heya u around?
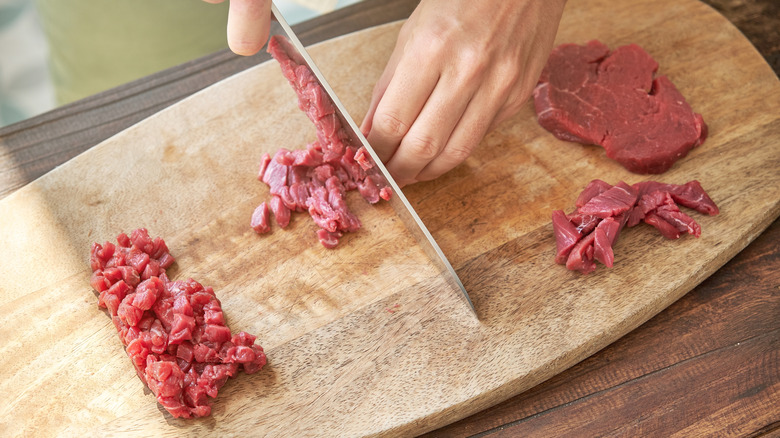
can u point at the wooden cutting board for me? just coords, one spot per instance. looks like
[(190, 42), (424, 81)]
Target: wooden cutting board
[(361, 340)]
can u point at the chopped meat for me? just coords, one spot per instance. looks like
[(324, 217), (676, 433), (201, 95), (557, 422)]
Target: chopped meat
[(261, 219), (265, 160), (275, 174), (589, 233), (581, 256), (589, 95), (327, 239), (690, 195), (662, 206), (665, 228), (612, 202), (317, 178), (566, 235), (594, 188), (605, 235), (281, 211), (174, 331)]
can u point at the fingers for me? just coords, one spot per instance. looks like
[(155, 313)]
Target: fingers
[(430, 133), (248, 25), (379, 90), (387, 74), (399, 106), (473, 125)]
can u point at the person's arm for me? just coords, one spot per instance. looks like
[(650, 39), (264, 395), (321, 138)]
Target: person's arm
[(249, 22), (459, 68)]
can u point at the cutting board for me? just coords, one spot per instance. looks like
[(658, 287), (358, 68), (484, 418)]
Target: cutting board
[(364, 339)]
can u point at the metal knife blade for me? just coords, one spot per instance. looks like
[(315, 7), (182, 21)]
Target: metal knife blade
[(398, 201)]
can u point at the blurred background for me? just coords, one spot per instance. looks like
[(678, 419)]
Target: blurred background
[(50, 55)]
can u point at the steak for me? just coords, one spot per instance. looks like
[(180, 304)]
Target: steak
[(174, 331), (589, 233), (589, 95), (316, 179)]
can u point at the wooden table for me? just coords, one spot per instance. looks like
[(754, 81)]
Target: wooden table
[(709, 364)]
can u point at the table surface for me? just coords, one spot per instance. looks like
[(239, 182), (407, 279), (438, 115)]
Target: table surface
[(708, 364)]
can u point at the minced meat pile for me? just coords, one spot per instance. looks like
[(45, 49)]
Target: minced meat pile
[(173, 331), (587, 234), (315, 179)]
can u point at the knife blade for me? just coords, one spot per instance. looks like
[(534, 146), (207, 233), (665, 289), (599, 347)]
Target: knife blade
[(398, 201)]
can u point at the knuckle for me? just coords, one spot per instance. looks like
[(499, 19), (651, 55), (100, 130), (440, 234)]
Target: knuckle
[(473, 64), (438, 32), (424, 148), (509, 70), (458, 153), (390, 125), (474, 55)]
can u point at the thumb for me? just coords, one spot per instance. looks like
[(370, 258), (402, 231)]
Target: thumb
[(248, 25)]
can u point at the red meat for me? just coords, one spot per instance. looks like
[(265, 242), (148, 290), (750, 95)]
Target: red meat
[(612, 202), (594, 188), (174, 331), (590, 231), (605, 235), (261, 219), (566, 235), (316, 179), (589, 95)]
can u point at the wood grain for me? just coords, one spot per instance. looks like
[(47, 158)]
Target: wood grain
[(671, 339), (707, 365), (758, 20), (503, 258)]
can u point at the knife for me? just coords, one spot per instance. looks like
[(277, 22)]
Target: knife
[(398, 201)]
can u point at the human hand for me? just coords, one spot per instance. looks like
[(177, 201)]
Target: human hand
[(459, 68), (249, 22)]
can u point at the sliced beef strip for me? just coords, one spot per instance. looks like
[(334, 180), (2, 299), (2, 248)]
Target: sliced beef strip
[(666, 209), (690, 195), (589, 233), (593, 189), (566, 235), (605, 235), (612, 202)]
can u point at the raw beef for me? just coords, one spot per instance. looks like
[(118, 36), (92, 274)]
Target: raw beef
[(173, 331), (589, 95), (588, 234), (612, 202), (316, 179)]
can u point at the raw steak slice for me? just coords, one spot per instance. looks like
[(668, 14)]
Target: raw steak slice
[(566, 236), (612, 202), (174, 331), (593, 189), (662, 208), (589, 233), (589, 95), (605, 235), (317, 178), (690, 194)]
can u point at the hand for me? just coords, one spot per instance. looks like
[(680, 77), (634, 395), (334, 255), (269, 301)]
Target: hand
[(459, 68), (249, 22)]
